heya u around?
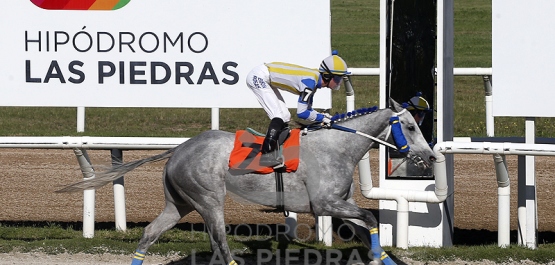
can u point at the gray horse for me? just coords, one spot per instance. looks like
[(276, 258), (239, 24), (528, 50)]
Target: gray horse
[(196, 177)]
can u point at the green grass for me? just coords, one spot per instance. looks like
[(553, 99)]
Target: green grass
[(55, 239), (355, 32), (543, 254)]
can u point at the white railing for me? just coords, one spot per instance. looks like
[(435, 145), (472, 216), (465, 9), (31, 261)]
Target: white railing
[(80, 144), (404, 196)]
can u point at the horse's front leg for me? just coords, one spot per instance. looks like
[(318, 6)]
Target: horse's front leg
[(370, 238), (363, 223)]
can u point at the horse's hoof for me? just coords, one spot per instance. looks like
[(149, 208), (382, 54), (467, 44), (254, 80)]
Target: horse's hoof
[(388, 261)]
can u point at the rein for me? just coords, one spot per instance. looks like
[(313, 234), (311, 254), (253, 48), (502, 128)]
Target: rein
[(394, 129), (345, 129)]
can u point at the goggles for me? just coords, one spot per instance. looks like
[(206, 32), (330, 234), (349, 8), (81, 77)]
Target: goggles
[(337, 79), (421, 115)]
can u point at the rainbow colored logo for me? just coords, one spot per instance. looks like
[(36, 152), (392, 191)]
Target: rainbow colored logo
[(80, 4)]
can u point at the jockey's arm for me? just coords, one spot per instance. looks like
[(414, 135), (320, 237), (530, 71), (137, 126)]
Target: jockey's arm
[(304, 107)]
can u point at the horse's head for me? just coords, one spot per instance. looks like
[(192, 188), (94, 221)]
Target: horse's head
[(420, 152)]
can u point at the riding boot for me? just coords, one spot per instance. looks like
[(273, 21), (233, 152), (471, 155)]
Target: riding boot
[(285, 126), (270, 155)]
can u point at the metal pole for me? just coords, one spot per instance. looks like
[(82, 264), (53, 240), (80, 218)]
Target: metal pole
[(445, 100), (531, 202), (215, 118), (80, 119), (119, 193), (521, 211), (88, 195), (490, 125), (503, 201), (291, 223)]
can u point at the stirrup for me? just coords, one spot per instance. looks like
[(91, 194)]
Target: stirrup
[(281, 164), (270, 159)]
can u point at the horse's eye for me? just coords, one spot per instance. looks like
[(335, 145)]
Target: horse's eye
[(411, 128)]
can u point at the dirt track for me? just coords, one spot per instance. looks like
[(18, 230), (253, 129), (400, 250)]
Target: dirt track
[(30, 178)]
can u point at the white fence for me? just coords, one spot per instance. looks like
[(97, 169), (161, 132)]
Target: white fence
[(80, 146)]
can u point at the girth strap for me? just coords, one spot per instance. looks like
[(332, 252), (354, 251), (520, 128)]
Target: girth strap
[(280, 195)]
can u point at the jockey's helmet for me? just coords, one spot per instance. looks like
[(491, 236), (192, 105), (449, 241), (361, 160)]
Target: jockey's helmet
[(418, 107), (333, 65), (418, 103)]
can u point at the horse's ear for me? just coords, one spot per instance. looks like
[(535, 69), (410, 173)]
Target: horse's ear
[(394, 105)]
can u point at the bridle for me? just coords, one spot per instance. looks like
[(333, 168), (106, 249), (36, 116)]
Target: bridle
[(399, 139), (394, 130)]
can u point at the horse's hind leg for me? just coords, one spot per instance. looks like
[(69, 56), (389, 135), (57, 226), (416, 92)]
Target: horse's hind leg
[(207, 196), (215, 224), (363, 222), (166, 220)]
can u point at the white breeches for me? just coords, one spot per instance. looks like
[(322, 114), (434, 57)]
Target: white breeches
[(258, 80)]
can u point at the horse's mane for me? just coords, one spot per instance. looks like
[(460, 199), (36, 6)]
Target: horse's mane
[(353, 114), (341, 117)]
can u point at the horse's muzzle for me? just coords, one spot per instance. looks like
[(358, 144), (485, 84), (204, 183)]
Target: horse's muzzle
[(419, 162)]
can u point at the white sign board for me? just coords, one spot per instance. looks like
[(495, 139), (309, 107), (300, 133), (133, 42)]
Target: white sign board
[(523, 58), (148, 53)]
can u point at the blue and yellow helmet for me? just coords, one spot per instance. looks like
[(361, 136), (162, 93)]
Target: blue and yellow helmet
[(334, 65), (418, 103)]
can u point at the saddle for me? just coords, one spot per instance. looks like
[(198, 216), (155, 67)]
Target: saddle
[(245, 156)]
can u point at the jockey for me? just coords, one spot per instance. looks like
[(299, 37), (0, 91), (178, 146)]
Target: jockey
[(268, 79), (418, 107)]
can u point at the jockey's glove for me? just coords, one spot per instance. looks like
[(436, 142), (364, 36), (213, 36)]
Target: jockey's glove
[(326, 122)]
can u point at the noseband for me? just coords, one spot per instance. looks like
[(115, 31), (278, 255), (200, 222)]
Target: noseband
[(397, 133), (401, 142)]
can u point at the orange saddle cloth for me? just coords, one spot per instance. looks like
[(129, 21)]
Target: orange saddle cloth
[(245, 156)]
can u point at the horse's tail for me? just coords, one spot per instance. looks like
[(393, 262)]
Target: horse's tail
[(103, 178)]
